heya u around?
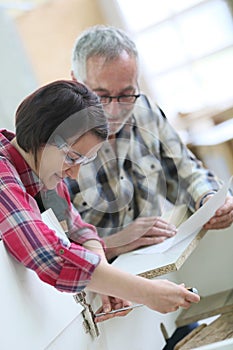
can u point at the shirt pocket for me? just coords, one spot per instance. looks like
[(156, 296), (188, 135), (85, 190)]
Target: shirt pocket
[(149, 178), (146, 167)]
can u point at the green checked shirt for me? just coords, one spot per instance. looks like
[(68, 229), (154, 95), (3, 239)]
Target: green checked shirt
[(149, 166)]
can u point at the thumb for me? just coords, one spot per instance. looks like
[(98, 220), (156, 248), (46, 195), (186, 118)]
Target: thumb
[(106, 304)]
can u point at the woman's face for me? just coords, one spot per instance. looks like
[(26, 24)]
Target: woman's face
[(54, 164)]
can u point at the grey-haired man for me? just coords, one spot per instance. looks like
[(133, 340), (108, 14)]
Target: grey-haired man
[(123, 191)]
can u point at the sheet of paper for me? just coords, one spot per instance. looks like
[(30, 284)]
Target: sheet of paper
[(51, 221), (194, 222)]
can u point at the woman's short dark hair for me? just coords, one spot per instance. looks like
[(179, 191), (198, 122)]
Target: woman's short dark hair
[(63, 107)]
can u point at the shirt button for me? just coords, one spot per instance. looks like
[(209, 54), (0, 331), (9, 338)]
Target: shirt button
[(61, 251), (152, 166), (84, 204), (122, 177)]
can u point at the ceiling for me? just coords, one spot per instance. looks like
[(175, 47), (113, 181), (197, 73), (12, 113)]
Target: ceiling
[(18, 7)]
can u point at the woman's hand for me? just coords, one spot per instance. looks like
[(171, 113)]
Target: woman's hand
[(109, 304), (168, 296)]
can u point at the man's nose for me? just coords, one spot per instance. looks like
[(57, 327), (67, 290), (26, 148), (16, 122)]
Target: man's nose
[(113, 107)]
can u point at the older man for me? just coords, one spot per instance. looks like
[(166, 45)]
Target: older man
[(144, 163)]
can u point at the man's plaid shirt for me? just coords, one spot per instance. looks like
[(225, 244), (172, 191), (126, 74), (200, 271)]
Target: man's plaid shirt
[(150, 164)]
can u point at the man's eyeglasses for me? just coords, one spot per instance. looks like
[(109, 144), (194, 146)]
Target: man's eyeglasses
[(105, 100), (72, 157)]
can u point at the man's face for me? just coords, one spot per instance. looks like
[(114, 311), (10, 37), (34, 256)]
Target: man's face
[(114, 78)]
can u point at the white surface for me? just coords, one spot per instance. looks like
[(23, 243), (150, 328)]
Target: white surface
[(40, 318), (137, 264), (209, 267), (51, 221), (32, 312)]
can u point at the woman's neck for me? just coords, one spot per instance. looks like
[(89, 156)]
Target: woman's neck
[(28, 157)]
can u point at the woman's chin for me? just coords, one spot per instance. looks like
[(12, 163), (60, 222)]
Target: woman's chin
[(52, 183)]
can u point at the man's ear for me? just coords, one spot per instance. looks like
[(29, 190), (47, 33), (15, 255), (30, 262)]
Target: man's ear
[(72, 76)]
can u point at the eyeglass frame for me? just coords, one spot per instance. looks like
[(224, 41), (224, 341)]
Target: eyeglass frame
[(118, 98), (61, 144)]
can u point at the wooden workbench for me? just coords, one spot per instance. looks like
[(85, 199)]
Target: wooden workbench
[(217, 331)]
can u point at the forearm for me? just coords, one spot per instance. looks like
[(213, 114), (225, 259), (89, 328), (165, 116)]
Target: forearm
[(113, 246), (96, 247), (203, 198), (109, 280), (160, 295)]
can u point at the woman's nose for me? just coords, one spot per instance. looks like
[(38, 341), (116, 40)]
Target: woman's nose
[(73, 171)]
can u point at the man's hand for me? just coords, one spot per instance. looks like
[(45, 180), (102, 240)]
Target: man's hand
[(223, 217), (109, 304), (142, 232)]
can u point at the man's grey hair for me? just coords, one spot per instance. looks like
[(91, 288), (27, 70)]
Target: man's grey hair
[(102, 41)]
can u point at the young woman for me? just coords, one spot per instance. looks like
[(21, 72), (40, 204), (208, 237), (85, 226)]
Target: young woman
[(59, 127)]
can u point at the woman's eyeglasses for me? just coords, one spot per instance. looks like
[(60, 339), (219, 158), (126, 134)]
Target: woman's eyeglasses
[(72, 157)]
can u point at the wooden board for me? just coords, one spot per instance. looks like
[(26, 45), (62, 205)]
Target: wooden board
[(154, 265), (220, 329)]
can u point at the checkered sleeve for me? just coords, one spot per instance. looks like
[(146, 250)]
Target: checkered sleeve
[(187, 178), (34, 244)]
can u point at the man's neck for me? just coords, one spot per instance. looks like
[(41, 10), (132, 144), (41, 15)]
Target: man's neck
[(112, 141)]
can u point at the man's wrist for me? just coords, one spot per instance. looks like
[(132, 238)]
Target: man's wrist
[(205, 196)]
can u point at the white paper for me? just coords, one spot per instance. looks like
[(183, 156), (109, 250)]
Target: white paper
[(51, 221), (193, 224)]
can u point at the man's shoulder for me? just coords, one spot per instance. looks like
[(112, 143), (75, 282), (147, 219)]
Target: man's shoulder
[(147, 114)]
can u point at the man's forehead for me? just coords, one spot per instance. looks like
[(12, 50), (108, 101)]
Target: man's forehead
[(115, 77)]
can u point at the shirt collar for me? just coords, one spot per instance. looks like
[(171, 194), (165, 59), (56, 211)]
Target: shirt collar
[(126, 129), (29, 179)]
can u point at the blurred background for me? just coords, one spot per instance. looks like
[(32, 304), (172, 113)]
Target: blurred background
[(186, 54)]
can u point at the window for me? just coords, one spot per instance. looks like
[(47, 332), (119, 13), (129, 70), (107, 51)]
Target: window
[(186, 48)]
